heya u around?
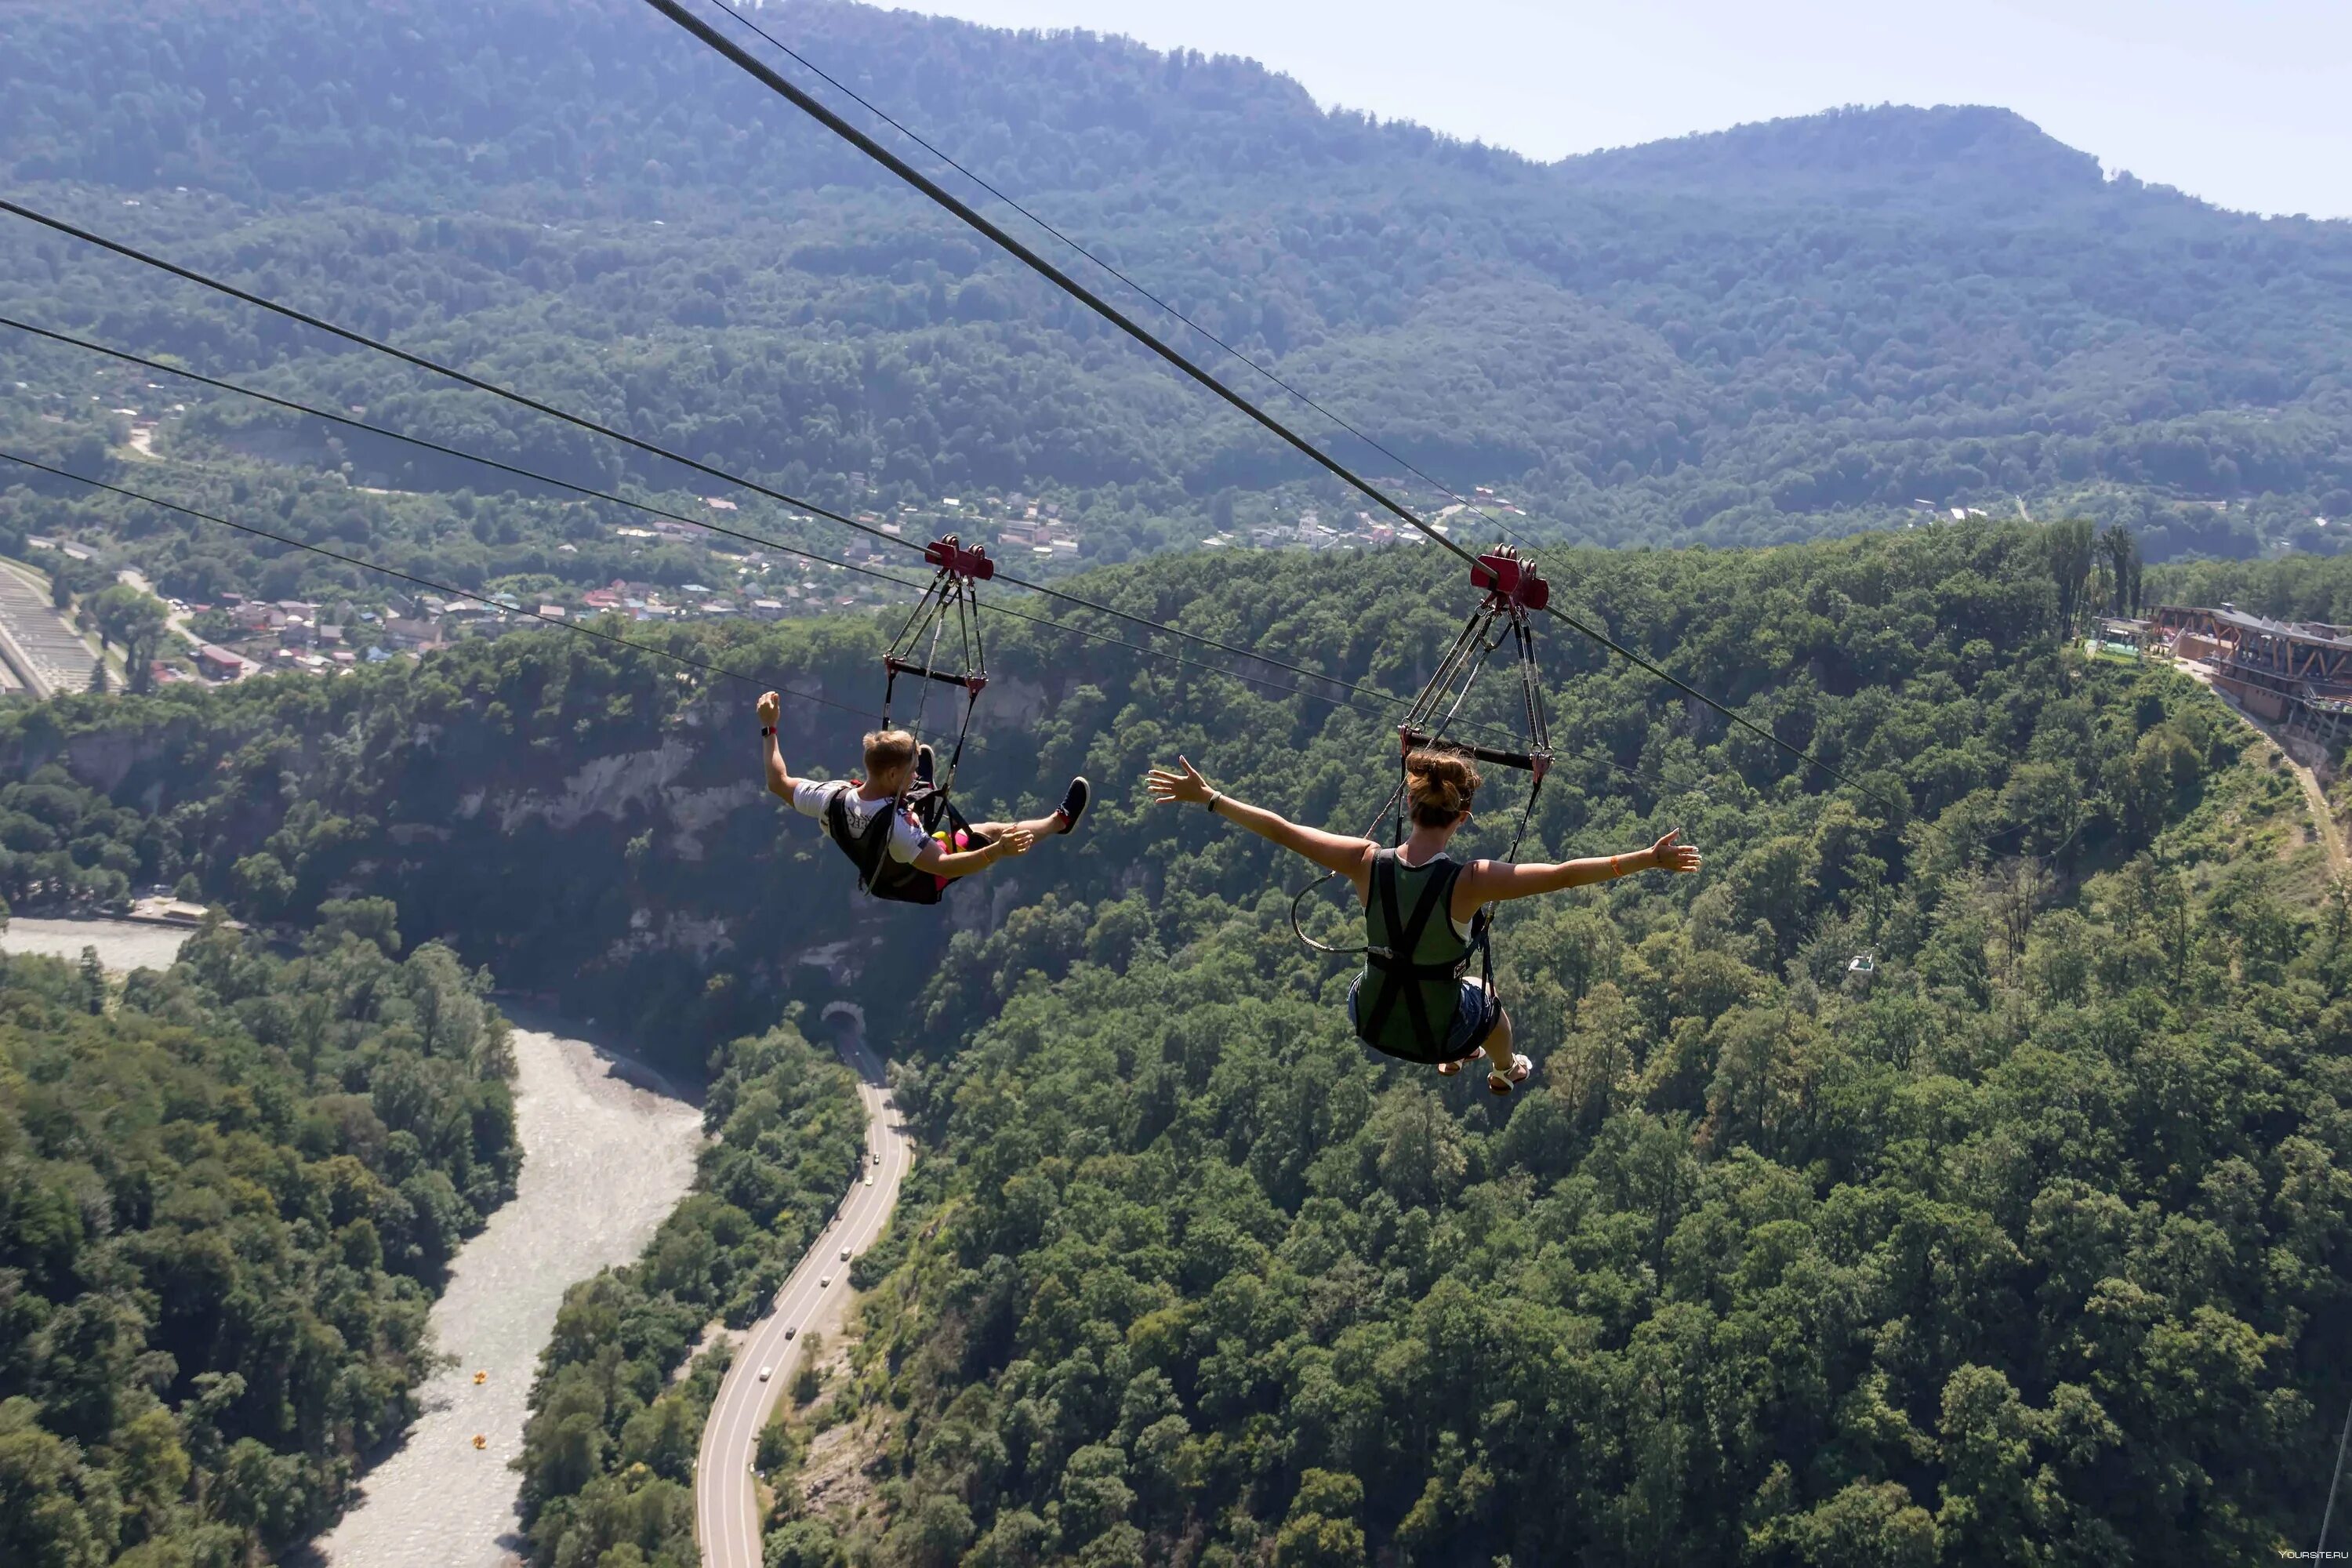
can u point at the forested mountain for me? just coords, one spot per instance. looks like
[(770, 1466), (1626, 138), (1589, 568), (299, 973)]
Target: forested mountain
[(2025, 1238), (1768, 333), (229, 1193), (2036, 1235)]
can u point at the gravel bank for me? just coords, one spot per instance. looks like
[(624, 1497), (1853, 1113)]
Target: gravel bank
[(604, 1163), (604, 1160), (122, 945)]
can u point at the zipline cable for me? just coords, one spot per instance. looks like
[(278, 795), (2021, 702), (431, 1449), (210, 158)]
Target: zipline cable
[(349, 422), (817, 111), (218, 286), (2328, 1518), (363, 339), (949, 159), (584, 629), (990, 606)]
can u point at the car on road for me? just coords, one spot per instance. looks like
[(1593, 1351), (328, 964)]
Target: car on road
[(766, 1373), (845, 1255), (877, 1156), (790, 1329), (869, 1180), (824, 1282)]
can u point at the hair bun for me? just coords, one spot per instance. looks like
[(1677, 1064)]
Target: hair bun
[(1439, 784)]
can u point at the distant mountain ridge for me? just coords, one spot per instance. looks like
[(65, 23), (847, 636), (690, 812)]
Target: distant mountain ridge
[(1894, 150), (1758, 334)]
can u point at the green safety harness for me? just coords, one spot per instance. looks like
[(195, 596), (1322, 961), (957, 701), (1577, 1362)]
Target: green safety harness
[(1404, 967)]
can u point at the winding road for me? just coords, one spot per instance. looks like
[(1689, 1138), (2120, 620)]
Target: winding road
[(726, 1495)]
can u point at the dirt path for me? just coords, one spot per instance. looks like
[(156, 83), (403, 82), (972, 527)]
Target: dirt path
[(2339, 862)]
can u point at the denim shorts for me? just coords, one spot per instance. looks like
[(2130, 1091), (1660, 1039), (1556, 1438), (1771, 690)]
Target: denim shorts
[(1473, 1017)]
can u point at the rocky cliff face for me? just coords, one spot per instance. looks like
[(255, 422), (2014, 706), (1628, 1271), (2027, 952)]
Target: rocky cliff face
[(628, 858)]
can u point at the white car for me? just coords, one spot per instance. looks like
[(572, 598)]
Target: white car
[(824, 1282), (766, 1373), (845, 1255), (869, 1181)]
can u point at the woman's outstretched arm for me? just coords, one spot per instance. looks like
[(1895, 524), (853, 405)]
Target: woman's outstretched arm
[(1332, 851), (1492, 881)]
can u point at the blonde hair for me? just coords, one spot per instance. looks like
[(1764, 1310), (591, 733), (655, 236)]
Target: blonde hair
[(1439, 785), (887, 749)]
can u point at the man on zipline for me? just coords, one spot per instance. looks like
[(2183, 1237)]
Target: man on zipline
[(1415, 999), (906, 841)]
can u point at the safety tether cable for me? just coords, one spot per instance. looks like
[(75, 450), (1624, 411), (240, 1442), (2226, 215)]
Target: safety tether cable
[(917, 137), (581, 628), (582, 422), (765, 74)]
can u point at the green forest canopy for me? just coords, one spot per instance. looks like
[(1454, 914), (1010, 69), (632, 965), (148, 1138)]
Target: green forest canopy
[(2029, 1246), (228, 1195), (2011, 1251), (2034, 1238)]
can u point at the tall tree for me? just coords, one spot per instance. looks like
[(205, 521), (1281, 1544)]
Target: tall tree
[(137, 620), (2070, 568), (2121, 552)]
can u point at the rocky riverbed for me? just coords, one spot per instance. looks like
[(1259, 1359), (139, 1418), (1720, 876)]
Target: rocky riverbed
[(122, 945), (607, 1154), (604, 1161)]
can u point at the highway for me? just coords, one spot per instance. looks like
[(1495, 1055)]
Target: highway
[(725, 1505), (46, 655)]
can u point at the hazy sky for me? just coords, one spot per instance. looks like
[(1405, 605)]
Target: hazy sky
[(2244, 102)]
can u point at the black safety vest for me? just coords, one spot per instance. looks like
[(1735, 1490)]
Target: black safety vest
[(869, 847), (1413, 962)]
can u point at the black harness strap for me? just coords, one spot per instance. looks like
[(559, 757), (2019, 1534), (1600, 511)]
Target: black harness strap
[(866, 846), (1402, 975), (869, 847)]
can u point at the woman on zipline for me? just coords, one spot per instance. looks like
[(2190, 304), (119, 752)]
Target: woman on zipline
[(1420, 1003)]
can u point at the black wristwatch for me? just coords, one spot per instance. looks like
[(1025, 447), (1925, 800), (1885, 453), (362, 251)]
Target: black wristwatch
[(767, 730)]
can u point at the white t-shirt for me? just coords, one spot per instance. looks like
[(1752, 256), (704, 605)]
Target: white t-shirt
[(907, 836)]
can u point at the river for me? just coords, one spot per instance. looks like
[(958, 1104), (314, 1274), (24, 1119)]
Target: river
[(604, 1160)]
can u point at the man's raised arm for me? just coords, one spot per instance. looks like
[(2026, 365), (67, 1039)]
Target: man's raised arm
[(772, 748)]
